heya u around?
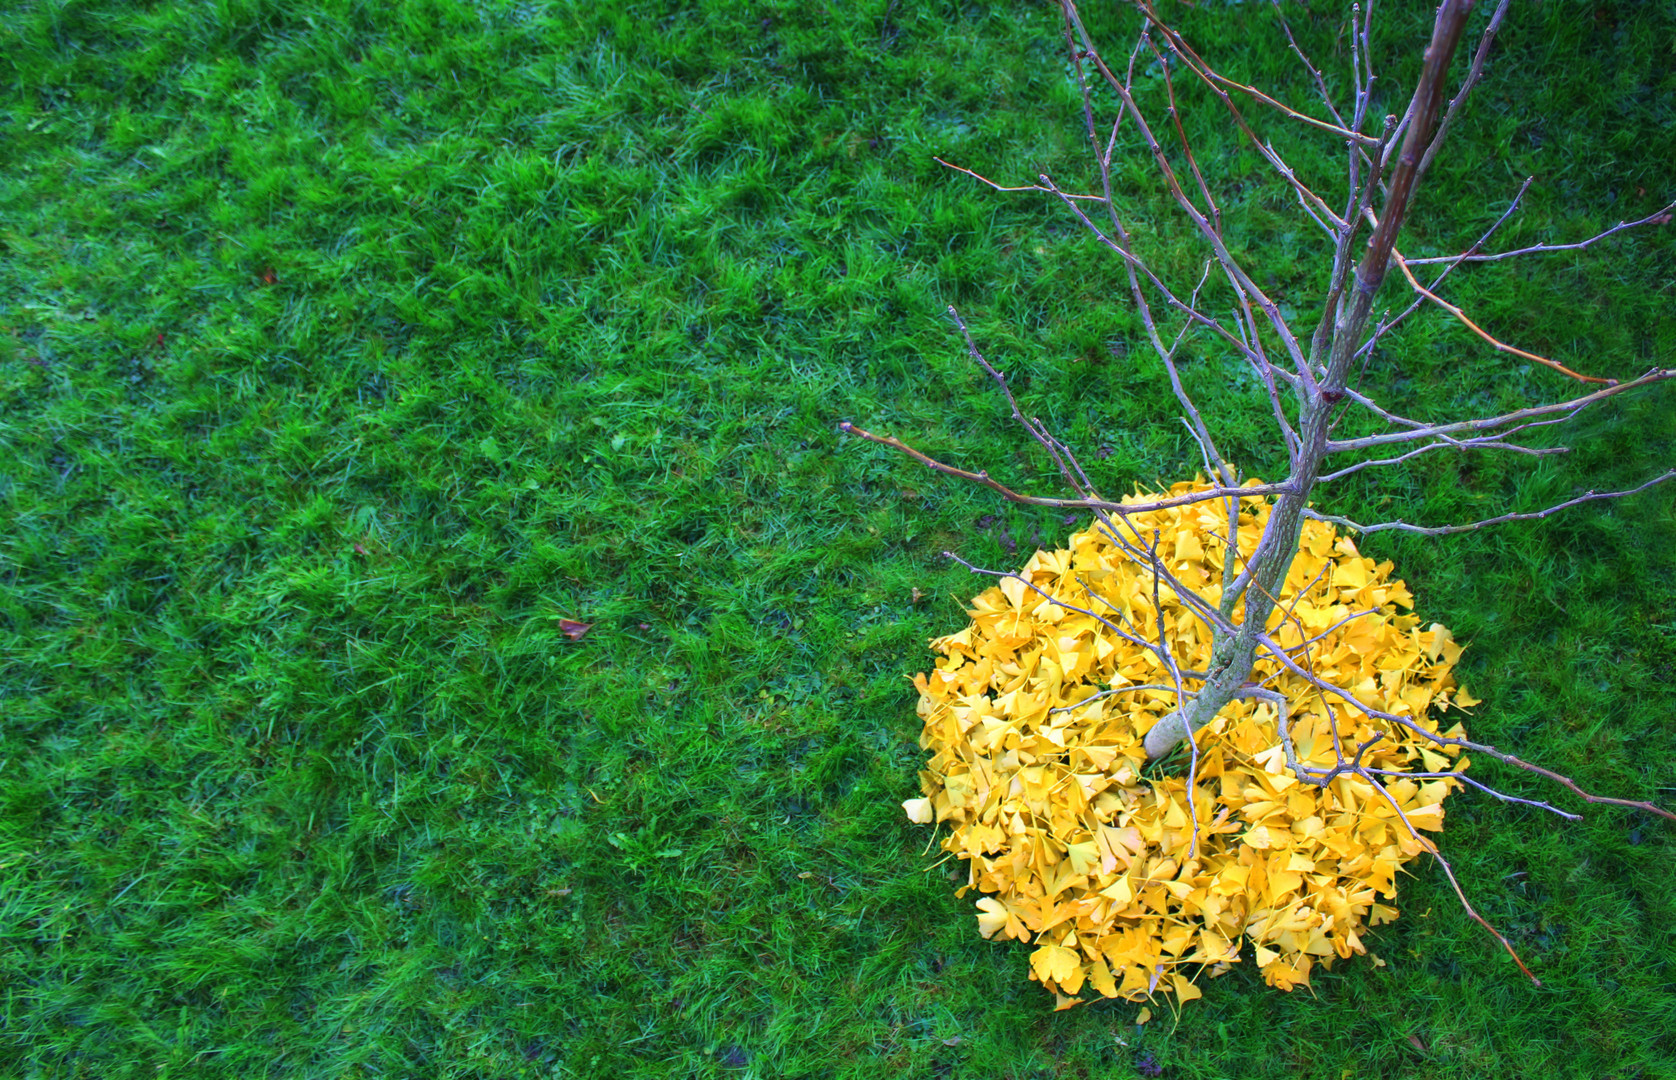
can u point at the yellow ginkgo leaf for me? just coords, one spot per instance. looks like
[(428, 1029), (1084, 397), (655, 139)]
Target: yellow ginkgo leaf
[(1055, 964), (1100, 978), (918, 811), (1085, 857)]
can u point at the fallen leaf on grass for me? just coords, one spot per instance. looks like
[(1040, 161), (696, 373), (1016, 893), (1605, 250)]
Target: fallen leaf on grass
[(918, 811), (574, 630)]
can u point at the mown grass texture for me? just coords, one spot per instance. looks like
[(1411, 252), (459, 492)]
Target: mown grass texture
[(345, 349)]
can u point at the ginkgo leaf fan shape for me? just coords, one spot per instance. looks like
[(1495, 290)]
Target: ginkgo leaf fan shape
[(1036, 763)]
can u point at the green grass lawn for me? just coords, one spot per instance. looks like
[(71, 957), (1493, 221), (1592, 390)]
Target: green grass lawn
[(347, 349)]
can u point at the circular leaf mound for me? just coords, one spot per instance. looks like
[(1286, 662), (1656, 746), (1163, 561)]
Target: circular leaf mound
[(1037, 764)]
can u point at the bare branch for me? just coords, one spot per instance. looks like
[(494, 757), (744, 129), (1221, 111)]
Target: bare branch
[(1050, 598), (1322, 636), (1181, 135), (1499, 346), (1471, 81), (1661, 216), (1361, 67), (1450, 872), (1109, 693), (1025, 187), (1314, 72), (1010, 495), (1454, 261), (1444, 443), (1493, 423), (1056, 451), (1276, 651), (1443, 530), (1536, 804), (1207, 73)]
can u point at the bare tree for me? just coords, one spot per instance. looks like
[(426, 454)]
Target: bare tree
[(1306, 372)]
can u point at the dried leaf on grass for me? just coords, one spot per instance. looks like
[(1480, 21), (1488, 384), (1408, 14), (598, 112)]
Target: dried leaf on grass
[(1086, 858)]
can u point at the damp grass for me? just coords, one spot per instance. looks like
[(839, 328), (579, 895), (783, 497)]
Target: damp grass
[(353, 356)]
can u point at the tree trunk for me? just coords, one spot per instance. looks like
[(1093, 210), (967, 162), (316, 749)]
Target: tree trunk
[(1233, 655)]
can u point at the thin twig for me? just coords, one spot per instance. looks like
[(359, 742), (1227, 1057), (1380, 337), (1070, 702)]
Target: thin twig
[(1108, 693), (1057, 601), (1278, 653), (1499, 346), (1315, 72), (1022, 187), (1251, 91), (1430, 847), (1493, 423), (1443, 443), (1657, 217), (1174, 113), (1485, 788), (1054, 448), (1443, 530), (1454, 261), (1121, 509)]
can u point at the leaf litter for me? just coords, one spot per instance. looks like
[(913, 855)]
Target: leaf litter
[(1038, 771)]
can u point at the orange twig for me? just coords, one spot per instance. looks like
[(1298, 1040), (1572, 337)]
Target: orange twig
[(1481, 332), (1121, 509), (1448, 870)]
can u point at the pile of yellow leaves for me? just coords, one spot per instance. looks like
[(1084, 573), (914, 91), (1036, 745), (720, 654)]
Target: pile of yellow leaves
[(1094, 862)]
